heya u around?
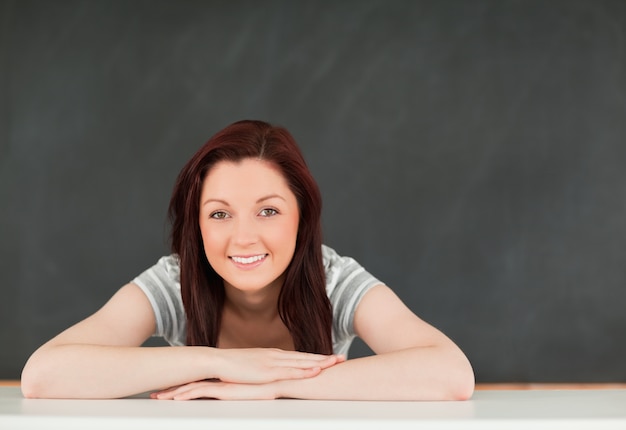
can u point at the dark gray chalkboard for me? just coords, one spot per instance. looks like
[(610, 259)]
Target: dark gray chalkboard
[(472, 154)]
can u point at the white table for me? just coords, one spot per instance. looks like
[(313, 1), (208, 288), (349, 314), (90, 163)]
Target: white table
[(530, 409)]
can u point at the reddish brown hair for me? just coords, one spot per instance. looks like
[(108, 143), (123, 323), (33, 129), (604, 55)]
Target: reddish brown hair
[(303, 304)]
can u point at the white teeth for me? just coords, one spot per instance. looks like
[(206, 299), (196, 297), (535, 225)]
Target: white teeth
[(248, 260)]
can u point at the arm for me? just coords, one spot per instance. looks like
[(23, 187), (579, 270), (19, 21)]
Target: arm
[(102, 357), (413, 361)]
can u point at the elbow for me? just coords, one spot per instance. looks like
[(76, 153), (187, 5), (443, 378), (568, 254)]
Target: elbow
[(29, 386), (462, 382), (462, 389), (29, 391), (32, 381)]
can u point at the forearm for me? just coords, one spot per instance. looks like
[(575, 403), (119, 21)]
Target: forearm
[(427, 373), (94, 371)]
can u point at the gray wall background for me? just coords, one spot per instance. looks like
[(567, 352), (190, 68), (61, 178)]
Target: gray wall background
[(471, 155)]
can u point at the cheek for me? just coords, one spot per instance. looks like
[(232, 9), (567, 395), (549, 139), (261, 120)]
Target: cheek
[(211, 238), (289, 232)]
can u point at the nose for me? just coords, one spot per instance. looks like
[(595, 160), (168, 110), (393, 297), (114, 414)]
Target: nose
[(245, 232)]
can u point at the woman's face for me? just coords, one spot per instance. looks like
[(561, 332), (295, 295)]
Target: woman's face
[(249, 223)]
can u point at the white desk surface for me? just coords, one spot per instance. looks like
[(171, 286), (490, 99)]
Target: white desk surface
[(501, 409)]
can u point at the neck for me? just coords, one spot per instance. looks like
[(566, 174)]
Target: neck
[(250, 319), (258, 305)]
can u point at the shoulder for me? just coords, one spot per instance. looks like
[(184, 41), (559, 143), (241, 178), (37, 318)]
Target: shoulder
[(334, 267), (165, 273), (334, 261), (161, 284), (347, 282), (344, 273), (170, 264)]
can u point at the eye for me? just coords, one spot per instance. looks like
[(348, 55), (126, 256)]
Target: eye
[(218, 215), (268, 212)]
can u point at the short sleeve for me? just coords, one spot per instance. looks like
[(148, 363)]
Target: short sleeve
[(346, 284), (161, 284)]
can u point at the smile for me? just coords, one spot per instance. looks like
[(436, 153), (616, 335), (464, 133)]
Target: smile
[(248, 260)]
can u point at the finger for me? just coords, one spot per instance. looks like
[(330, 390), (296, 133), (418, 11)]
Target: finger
[(171, 393), (164, 395), (332, 360), (275, 353), (295, 373), (205, 391), (227, 391), (307, 363), (194, 390), (164, 391), (298, 355)]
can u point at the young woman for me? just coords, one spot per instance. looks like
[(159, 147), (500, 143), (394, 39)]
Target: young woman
[(254, 306)]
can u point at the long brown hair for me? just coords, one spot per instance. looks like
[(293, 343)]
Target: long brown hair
[(303, 304)]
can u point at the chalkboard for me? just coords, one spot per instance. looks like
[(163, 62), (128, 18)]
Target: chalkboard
[(471, 155)]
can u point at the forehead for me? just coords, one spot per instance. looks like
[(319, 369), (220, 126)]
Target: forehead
[(248, 177)]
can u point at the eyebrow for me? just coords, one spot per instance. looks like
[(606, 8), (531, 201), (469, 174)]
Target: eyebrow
[(260, 200)]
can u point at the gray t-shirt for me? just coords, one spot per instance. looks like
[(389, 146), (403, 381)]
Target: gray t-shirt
[(346, 283)]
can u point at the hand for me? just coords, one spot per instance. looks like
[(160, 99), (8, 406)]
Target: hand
[(215, 389), (251, 374), (263, 365)]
